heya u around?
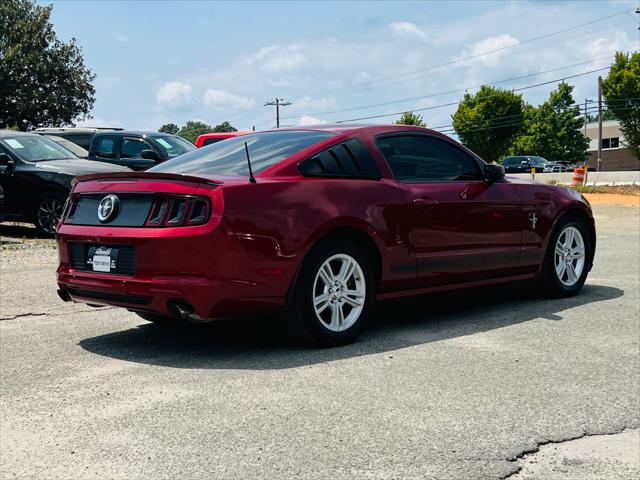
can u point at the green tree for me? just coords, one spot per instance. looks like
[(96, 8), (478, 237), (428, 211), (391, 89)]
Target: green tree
[(43, 81), (193, 128), (171, 128), (554, 129), (410, 118), (488, 121), (225, 127), (621, 89)]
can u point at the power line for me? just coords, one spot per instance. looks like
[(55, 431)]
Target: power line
[(471, 57), (486, 96), (423, 97), (457, 60)]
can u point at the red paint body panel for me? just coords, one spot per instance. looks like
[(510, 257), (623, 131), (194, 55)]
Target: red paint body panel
[(429, 236)]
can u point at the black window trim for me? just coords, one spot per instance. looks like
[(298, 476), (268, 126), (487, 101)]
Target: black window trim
[(478, 162)]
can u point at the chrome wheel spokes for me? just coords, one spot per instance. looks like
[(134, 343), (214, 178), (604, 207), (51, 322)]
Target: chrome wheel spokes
[(339, 292), (569, 256), (49, 213)]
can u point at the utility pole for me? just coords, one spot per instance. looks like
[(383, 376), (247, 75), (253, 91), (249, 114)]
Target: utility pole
[(599, 124), (278, 102)]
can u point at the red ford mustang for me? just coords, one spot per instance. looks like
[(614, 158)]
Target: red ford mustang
[(316, 223)]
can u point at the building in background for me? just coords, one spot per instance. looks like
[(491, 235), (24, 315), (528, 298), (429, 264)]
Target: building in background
[(615, 155)]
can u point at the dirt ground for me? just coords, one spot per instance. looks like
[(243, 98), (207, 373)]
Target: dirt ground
[(628, 200)]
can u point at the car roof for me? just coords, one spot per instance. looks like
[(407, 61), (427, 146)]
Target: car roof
[(13, 133), (368, 128), (224, 134), (142, 133), (77, 129)]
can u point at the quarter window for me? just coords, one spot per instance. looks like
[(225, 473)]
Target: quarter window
[(419, 158)]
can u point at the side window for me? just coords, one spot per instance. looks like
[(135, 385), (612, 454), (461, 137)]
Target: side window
[(209, 141), (419, 158), (347, 159), (133, 147), (105, 147)]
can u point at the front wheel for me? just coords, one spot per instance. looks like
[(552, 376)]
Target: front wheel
[(334, 295), (48, 211), (567, 260)]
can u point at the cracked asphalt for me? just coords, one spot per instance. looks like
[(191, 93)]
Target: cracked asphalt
[(463, 386)]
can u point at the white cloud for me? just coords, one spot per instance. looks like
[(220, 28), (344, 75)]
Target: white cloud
[(276, 59), (174, 95), (309, 120), (492, 44), (313, 104), (408, 29), (224, 99), (123, 39)]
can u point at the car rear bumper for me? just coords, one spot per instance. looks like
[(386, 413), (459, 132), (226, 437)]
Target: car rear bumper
[(203, 275)]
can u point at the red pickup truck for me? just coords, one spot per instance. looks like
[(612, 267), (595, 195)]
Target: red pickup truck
[(209, 138)]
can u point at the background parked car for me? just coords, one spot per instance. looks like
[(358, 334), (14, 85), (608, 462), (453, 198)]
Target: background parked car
[(137, 150), (524, 164), (69, 145), (36, 174), (556, 167), (214, 137), (78, 135)]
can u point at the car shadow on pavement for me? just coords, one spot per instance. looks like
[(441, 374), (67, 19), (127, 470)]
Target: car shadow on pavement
[(261, 343)]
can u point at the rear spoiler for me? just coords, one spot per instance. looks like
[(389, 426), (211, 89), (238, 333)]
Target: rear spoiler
[(176, 177)]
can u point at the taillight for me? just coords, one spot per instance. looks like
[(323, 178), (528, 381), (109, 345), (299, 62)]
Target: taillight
[(70, 208), (176, 210)]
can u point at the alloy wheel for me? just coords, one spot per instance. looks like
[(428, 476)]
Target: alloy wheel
[(49, 213), (569, 256), (339, 292)]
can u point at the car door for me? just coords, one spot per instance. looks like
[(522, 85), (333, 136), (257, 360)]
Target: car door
[(131, 153), (461, 228)]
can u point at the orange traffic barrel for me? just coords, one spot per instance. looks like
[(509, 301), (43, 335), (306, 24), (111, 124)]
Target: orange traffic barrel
[(578, 176)]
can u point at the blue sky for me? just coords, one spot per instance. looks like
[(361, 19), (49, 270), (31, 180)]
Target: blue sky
[(170, 61)]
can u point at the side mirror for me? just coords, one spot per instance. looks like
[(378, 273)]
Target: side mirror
[(6, 161), (493, 172), (151, 155)]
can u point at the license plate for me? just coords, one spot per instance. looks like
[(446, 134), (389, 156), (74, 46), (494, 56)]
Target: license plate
[(101, 263), (103, 259)]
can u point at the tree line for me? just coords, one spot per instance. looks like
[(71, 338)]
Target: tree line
[(496, 122), (194, 128)]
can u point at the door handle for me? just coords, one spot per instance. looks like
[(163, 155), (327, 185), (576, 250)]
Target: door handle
[(424, 202)]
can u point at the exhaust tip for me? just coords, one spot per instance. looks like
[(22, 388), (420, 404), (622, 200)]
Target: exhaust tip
[(181, 310)]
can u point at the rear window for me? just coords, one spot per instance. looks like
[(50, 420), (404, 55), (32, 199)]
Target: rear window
[(229, 157)]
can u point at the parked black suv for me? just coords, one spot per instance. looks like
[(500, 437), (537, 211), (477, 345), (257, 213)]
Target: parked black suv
[(79, 135), (36, 174), (137, 150)]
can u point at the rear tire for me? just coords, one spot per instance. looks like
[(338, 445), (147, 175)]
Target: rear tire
[(333, 297), (568, 258)]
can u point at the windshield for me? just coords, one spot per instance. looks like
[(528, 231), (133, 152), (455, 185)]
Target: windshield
[(36, 148), (173, 146), (229, 157)]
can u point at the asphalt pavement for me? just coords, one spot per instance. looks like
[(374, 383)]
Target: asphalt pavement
[(460, 386)]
